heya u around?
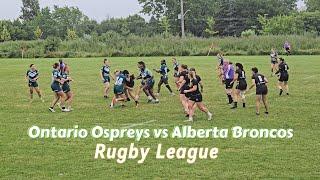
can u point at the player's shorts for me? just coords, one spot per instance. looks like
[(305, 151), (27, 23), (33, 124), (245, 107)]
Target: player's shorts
[(164, 79), (56, 87), (284, 77), (66, 88), (195, 97), (287, 49), (228, 83), (274, 62), (33, 84), (118, 90), (242, 85), (106, 79), (262, 90), (149, 84)]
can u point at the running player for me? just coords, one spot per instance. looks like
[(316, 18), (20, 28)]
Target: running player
[(129, 86), (274, 61), (241, 87), (228, 75), (66, 86), (198, 79), (195, 97), (105, 77), (184, 82), (163, 71), (176, 71), (32, 77), (283, 77), (119, 95), (57, 90), (287, 48), (260, 82), (147, 83)]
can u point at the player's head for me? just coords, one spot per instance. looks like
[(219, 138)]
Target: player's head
[(193, 69), (32, 67), (163, 62), (255, 70), (56, 66), (106, 62), (174, 60), (183, 67), (141, 65), (192, 74), (61, 61), (125, 72), (239, 66), (281, 59), (117, 72)]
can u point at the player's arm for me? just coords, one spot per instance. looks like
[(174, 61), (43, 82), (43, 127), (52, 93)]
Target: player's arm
[(201, 86), (194, 88), (253, 84)]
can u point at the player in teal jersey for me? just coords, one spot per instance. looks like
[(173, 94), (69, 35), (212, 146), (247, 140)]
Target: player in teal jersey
[(65, 73), (105, 77), (57, 90), (163, 71), (32, 77), (119, 95)]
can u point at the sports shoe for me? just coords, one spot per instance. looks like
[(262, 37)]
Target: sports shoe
[(156, 101), (51, 109), (65, 110), (189, 120)]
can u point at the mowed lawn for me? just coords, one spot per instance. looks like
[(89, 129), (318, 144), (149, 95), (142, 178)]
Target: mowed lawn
[(22, 157)]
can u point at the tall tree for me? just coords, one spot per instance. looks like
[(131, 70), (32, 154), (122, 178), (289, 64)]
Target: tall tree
[(30, 9)]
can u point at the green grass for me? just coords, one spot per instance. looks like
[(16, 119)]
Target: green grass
[(24, 158)]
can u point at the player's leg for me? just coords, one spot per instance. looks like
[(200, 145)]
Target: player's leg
[(265, 103), (258, 99), (106, 89)]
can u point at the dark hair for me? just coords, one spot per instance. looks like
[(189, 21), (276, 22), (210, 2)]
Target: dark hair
[(132, 76), (163, 61), (183, 66), (239, 65), (255, 70), (281, 59), (125, 72), (55, 65), (142, 63), (192, 69), (104, 61), (31, 65)]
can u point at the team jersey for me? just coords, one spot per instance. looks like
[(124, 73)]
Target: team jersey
[(287, 46), (228, 71), (65, 76), (176, 68), (283, 68), (164, 70), (105, 71), (120, 80), (184, 74), (273, 56), (259, 80), (198, 78), (32, 75), (56, 74), (220, 60), (195, 82), (146, 74), (241, 75), (129, 82)]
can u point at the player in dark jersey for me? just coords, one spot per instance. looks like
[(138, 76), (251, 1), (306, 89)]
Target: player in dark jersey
[(176, 71), (119, 95), (163, 71), (105, 77), (240, 78), (260, 82), (195, 97), (65, 75), (274, 61), (57, 90), (283, 77), (129, 86), (32, 77), (184, 82), (147, 83), (219, 67)]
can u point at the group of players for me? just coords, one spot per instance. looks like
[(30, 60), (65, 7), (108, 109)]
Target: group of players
[(187, 81)]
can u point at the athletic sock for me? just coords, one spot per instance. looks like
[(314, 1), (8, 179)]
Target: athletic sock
[(230, 99), (281, 91), (169, 88)]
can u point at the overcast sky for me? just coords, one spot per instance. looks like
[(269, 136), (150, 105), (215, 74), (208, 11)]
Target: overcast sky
[(95, 9)]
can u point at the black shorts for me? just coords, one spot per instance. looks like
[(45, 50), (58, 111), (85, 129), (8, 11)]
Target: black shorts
[(228, 83), (287, 49), (195, 97), (284, 77), (274, 62), (242, 85), (163, 80), (33, 84), (262, 90)]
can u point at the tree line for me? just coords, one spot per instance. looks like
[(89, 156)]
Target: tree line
[(203, 18)]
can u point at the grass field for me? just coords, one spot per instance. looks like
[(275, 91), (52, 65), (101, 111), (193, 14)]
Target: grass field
[(24, 158)]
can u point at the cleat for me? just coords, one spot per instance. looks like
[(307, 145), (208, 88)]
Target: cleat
[(257, 113), (266, 113), (65, 110), (51, 110), (210, 116)]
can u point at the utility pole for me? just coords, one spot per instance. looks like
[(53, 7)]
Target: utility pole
[(182, 20)]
